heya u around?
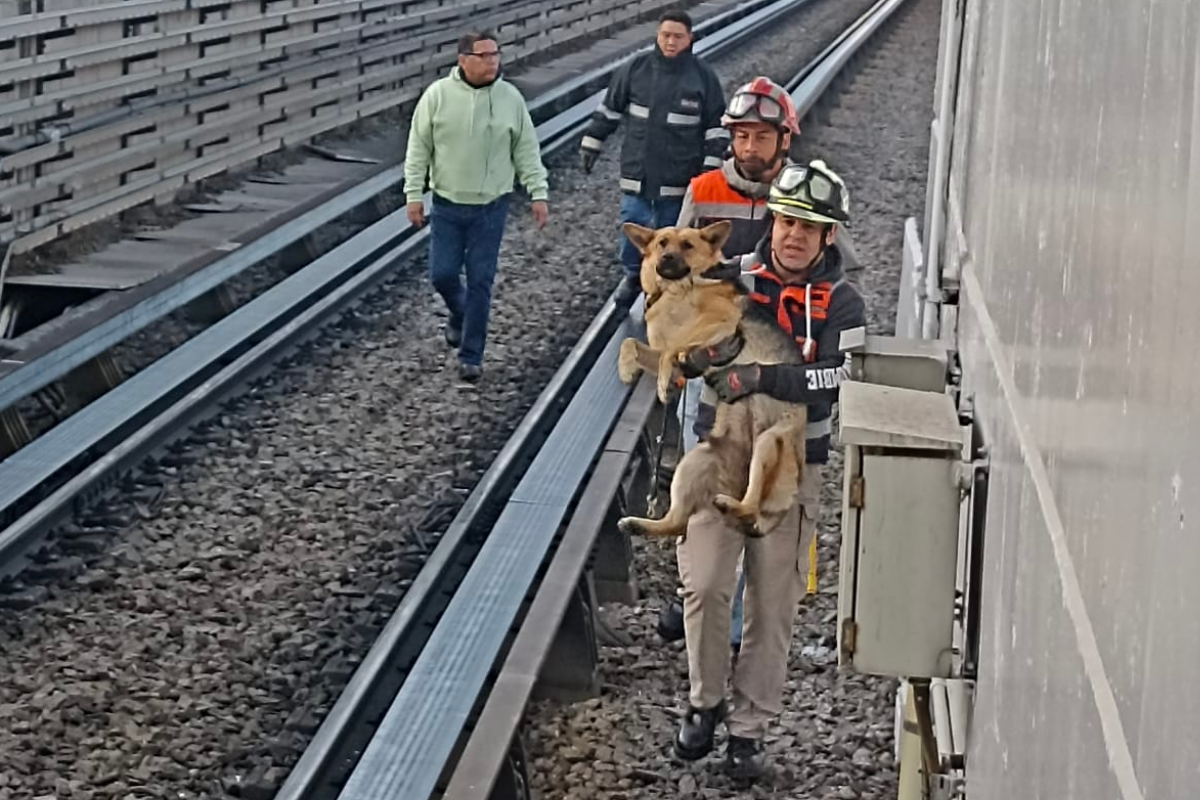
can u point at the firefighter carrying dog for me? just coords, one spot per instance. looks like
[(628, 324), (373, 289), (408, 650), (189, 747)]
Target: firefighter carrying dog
[(797, 273)]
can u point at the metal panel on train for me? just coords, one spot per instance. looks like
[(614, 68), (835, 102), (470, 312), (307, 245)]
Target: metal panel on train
[(1074, 196)]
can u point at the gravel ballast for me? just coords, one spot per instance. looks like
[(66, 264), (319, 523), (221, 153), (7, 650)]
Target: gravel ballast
[(195, 629), (834, 739)]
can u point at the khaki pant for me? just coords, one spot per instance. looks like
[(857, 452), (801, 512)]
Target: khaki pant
[(776, 568)]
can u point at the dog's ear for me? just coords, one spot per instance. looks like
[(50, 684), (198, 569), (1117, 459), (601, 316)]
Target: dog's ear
[(717, 233), (638, 235)]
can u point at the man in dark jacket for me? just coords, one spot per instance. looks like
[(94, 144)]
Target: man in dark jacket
[(672, 102), (797, 274)]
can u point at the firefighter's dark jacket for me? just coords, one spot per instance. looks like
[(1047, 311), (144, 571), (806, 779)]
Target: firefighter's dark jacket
[(672, 108)]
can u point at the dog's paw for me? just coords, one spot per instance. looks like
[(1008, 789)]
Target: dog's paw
[(728, 505), (765, 522), (628, 368), (754, 529), (629, 526)]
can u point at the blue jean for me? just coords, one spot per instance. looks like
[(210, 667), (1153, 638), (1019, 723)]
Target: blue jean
[(466, 236), (649, 213)]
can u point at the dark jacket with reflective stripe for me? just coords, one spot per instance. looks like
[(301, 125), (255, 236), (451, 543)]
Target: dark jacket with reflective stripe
[(815, 383), (673, 108)]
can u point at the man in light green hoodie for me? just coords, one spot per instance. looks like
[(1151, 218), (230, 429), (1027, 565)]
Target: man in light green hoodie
[(471, 136)]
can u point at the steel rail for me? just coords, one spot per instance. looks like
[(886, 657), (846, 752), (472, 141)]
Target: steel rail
[(809, 84), (388, 761), (487, 748), (341, 738), (370, 261)]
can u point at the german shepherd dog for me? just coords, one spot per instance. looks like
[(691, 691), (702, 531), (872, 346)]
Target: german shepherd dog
[(756, 447)]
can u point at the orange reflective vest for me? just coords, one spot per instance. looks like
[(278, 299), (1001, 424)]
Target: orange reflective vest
[(715, 200)]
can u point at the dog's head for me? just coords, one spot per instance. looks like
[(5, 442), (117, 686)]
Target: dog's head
[(671, 254)]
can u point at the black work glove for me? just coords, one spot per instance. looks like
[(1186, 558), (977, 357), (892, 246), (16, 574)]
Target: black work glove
[(698, 360), (587, 160), (695, 363), (733, 383)]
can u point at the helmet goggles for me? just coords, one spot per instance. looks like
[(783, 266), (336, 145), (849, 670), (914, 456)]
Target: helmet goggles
[(764, 108), (809, 193)]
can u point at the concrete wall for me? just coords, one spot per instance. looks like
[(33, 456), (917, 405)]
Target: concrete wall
[(1075, 222)]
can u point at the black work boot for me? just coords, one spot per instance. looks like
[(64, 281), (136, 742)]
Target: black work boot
[(744, 758), (695, 737), (670, 621), (469, 373)]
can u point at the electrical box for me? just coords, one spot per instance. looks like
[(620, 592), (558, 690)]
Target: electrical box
[(900, 527), (922, 364)]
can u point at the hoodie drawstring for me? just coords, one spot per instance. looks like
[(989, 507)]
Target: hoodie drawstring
[(808, 337)]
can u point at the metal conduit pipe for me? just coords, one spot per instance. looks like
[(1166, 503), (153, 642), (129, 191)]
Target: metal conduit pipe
[(922, 704), (942, 730)]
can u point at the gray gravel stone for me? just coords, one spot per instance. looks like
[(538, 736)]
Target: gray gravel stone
[(226, 598)]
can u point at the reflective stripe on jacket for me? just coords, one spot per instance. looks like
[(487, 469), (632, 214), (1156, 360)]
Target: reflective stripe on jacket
[(672, 109)]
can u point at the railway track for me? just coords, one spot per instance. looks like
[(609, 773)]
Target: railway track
[(67, 360), (345, 734), (835, 736), (467, 670), (40, 483)]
